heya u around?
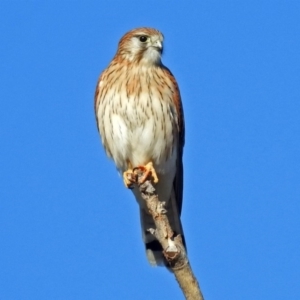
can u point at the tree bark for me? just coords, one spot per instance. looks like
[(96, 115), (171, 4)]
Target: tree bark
[(174, 250)]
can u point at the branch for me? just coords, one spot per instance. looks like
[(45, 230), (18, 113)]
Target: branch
[(174, 250)]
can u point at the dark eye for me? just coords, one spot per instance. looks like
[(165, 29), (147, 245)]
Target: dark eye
[(143, 38)]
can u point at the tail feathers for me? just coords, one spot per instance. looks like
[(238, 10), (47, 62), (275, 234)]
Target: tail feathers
[(153, 247)]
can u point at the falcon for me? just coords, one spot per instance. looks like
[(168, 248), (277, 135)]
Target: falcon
[(140, 119)]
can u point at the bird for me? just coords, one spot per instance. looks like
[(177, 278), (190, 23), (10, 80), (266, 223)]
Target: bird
[(140, 119)]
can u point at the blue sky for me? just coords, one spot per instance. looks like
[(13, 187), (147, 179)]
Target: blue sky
[(68, 227)]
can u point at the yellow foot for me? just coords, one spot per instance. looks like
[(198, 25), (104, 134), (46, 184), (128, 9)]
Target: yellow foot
[(129, 178), (148, 170)]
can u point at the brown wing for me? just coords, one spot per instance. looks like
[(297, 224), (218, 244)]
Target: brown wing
[(97, 99), (178, 181)]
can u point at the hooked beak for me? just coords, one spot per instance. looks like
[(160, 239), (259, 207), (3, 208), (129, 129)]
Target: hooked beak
[(158, 45)]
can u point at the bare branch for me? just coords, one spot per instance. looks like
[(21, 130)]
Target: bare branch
[(174, 250)]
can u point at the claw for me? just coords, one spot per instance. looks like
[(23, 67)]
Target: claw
[(129, 178), (148, 170)]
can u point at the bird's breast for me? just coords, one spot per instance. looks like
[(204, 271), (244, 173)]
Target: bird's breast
[(139, 125)]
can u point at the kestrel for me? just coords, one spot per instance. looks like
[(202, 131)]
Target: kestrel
[(140, 119)]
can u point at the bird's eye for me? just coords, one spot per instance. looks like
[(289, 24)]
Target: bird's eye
[(143, 38)]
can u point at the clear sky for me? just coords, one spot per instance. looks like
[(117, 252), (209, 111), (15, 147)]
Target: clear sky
[(68, 227)]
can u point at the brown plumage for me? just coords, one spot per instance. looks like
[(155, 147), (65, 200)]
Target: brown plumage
[(140, 119)]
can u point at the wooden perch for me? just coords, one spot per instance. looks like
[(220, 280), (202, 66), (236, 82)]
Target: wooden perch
[(174, 250)]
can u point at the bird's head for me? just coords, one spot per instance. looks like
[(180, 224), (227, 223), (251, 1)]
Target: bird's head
[(142, 45)]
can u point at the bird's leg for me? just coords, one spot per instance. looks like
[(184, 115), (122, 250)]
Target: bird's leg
[(129, 177), (148, 170)]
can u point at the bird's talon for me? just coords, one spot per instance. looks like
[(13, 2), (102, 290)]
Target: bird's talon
[(129, 178), (148, 173)]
